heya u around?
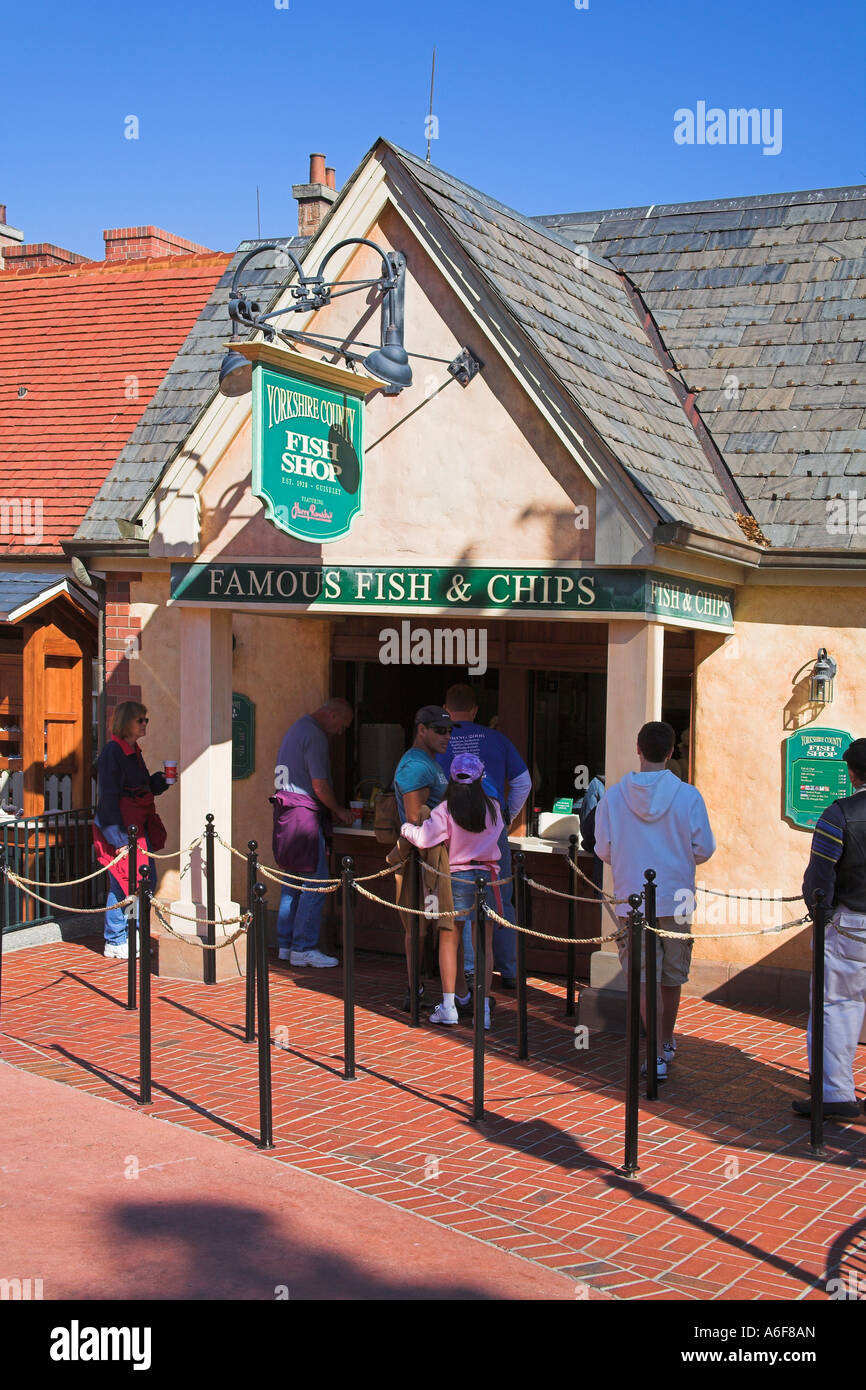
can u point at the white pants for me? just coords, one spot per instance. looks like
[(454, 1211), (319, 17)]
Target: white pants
[(844, 1003)]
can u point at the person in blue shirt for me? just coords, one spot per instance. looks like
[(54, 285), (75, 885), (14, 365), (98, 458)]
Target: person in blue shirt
[(418, 782), (507, 779)]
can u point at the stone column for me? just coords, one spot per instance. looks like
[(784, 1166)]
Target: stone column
[(635, 652), (205, 778)]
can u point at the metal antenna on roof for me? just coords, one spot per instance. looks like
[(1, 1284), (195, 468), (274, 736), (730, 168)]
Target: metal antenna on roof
[(431, 119), (258, 213)]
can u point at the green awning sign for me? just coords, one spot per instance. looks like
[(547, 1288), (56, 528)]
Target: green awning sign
[(672, 599), (815, 774), (307, 454), (243, 737)]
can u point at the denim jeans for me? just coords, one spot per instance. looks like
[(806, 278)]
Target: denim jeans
[(115, 917), (299, 919), (504, 939)]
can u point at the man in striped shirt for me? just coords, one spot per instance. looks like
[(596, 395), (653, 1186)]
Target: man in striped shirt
[(837, 868)]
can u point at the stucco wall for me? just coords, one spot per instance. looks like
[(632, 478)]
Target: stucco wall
[(281, 663), (452, 475), (747, 704)]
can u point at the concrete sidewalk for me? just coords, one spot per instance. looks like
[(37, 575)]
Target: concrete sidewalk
[(101, 1201)]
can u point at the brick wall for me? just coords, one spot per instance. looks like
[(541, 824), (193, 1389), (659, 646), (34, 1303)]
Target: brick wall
[(122, 643), (134, 243), (39, 255)]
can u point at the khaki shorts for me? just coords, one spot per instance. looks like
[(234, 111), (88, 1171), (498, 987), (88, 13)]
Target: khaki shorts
[(673, 958)]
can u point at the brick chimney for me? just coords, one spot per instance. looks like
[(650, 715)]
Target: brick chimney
[(38, 255), (9, 236), (315, 198), (136, 243)]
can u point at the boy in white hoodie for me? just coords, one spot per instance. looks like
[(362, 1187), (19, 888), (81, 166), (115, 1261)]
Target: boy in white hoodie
[(652, 820)]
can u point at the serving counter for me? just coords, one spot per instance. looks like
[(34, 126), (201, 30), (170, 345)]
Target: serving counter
[(378, 928)]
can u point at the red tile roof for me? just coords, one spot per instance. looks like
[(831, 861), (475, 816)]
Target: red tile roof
[(91, 345)]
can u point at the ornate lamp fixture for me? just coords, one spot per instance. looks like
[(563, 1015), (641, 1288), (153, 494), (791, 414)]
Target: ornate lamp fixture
[(821, 680)]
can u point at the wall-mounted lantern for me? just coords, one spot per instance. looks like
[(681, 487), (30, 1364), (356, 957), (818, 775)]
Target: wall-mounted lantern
[(821, 680)]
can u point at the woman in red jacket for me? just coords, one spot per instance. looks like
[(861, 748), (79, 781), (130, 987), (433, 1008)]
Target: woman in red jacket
[(125, 793)]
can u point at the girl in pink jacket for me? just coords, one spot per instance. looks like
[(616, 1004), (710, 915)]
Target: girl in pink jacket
[(470, 823)]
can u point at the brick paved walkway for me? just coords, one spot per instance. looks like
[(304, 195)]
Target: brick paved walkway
[(727, 1204)]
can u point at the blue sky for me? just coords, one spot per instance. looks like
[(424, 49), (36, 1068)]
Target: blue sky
[(547, 107)]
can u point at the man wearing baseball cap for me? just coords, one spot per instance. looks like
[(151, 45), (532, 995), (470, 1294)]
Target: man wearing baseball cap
[(419, 786)]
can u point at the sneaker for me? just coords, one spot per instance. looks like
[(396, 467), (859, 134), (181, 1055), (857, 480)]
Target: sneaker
[(116, 950), (507, 982), (406, 1006), (463, 1010), (833, 1109), (661, 1069), (314, 958), (669, 1050), (441, 1014)]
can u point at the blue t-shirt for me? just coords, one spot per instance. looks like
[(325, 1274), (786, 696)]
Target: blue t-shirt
[(303, 755), (416, 769), (502, 762)]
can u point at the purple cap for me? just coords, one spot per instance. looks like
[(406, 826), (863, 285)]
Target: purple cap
[(467, 768)]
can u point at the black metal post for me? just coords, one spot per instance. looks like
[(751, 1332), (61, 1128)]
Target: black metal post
[(414, 867), (572, 927), (650, 945), (252, 873), (144, 1097), (632, 1073), (348, 968), (210, 894), (132, 925), (4, 913), (480, 996), (816, 1137), (520, 893), (266, 1119)]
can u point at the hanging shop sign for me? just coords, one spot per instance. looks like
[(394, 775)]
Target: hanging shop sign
[(243, 737), (308, 452), (381, 589), (815, 773)]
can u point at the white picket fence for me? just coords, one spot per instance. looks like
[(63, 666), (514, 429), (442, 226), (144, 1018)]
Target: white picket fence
[(58, 793)]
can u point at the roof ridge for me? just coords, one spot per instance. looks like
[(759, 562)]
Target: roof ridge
[(149, 263), (845, 193)]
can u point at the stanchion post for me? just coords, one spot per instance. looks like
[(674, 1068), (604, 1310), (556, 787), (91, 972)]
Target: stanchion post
[(144, 1048), (520, 892), (632, 1073), (480, 986), (414, 943), (266, 1120), (132, 933), (4, 914), (572, 927), (650, 949), (252, 874), (210, 895), (819, 920), (348, 968)]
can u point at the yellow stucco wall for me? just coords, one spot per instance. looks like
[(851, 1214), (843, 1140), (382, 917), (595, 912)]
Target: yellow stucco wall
[(451, 475), (747, 703), (281, 663)]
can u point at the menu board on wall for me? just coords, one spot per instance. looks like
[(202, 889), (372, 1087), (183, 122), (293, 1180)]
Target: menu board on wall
[(815, 773)]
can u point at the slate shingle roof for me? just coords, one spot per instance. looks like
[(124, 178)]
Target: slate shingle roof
[(577, 312), (187, 388), (20, 589), (762, 302), (88, 345)]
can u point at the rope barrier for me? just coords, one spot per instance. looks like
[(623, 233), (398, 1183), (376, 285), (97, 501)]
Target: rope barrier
[(70, 882), (82, 911), (245, 921), (722, 935), (175, 852), (545, 936), (748, 897), (556, 893), (413, 911)]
